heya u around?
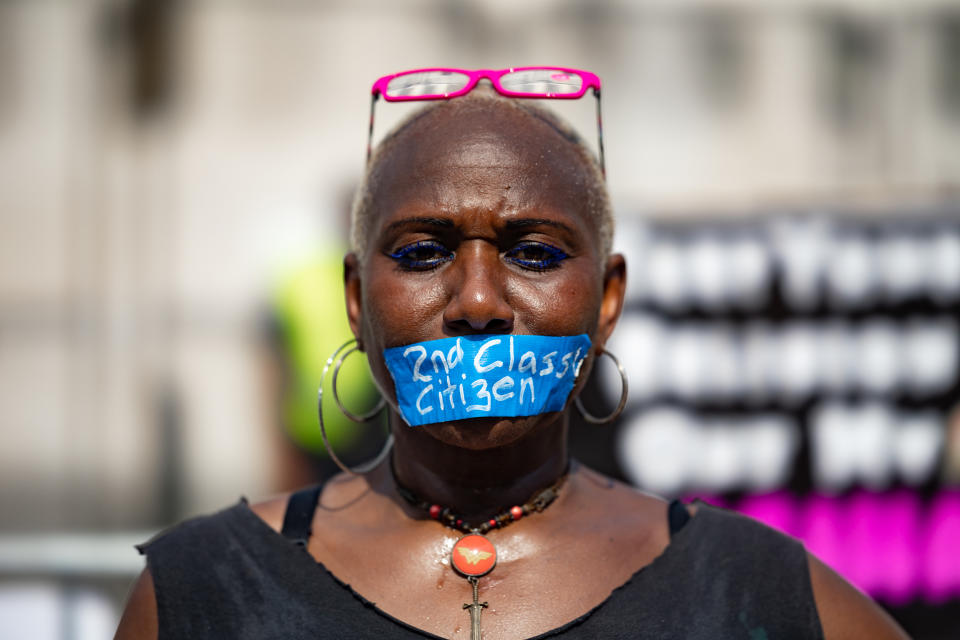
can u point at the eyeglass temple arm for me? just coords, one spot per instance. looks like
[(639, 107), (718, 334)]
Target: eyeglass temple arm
[(603, 167), (373, 104)]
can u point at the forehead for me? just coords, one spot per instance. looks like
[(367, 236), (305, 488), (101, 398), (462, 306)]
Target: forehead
[(482, 158)]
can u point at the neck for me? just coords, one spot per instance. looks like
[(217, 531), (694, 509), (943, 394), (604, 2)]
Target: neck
[(479, 483)]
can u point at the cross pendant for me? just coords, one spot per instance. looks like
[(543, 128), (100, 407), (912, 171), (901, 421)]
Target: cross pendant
[(475, 608)]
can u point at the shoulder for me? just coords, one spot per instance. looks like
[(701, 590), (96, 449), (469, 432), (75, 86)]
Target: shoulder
[(139, 620), (167, 551), (734, 534), (213, 528), (198, 535), (844, 611), (272, 510)]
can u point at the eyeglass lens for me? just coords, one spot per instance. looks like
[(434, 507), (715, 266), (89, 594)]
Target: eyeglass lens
[(426, 83)]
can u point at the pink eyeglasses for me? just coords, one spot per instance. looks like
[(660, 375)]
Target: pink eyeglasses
[(521, 82)]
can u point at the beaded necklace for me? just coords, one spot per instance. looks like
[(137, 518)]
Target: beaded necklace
[(473, 555)]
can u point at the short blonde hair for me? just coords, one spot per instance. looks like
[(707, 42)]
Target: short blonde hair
[(598, 198)]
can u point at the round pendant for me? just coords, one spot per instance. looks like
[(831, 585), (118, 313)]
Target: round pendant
[(473, 556)]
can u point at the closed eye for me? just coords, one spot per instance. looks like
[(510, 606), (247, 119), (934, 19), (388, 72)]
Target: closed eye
[(537, 256), (421, 256)]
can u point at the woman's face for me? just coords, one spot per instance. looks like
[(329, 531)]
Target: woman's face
[(481, 226)]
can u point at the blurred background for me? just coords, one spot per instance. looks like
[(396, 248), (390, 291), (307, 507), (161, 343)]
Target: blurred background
[(175, 178)]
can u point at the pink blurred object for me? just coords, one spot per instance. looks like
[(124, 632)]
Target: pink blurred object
[(941, 561), (886, 544)]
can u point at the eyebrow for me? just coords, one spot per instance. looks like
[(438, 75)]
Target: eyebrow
[(536, 222), (437, 222)]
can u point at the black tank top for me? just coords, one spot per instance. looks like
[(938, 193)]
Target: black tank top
[(229, 575)]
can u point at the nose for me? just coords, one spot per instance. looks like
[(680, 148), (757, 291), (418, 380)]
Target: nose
[(477, 302)]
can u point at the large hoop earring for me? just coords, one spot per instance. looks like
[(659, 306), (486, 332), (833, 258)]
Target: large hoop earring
[(336, 372), (623, 396), (339, 356)]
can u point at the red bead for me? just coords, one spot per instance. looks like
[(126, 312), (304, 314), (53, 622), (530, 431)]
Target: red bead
[(435, 511), (459, 522), (516, 512), (493, 522)]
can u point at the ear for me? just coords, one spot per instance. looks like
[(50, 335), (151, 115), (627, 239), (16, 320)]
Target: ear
[(614, 289), (353, 291)]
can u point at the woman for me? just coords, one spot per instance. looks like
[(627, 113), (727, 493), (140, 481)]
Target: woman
[(485, 225)]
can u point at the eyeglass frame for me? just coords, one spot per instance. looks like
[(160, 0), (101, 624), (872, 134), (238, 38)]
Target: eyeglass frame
[(590, 81)]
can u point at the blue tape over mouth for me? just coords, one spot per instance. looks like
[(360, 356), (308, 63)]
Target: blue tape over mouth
[(482, 376)]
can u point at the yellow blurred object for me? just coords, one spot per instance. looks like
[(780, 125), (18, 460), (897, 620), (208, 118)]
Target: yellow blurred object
[(309, 306)]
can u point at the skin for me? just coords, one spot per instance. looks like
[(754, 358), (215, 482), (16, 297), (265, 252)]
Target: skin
[(478, 183)]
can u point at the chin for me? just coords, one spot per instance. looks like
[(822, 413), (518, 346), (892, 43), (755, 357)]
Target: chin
[(481, 434)]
